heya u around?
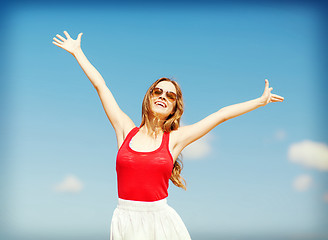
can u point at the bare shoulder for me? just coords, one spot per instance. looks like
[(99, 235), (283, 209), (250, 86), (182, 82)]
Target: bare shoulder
[(121, 135), (177, 136), (176, 142), (128, 129)]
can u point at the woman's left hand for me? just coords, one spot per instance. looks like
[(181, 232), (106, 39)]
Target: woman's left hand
[(268, 97)]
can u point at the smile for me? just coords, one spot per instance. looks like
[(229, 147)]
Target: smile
[(161, 104)]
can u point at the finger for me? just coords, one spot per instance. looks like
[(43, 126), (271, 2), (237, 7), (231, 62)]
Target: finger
[(277, 99), (266, 83), (57, 44), (58, 41), (79, 36), (67, 35), (277, 96), (60, 37)]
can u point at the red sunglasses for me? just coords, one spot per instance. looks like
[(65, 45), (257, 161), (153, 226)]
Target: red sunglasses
[(158, 92)]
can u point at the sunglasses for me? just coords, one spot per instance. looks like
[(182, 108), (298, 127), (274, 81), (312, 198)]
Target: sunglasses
[(171, 96)]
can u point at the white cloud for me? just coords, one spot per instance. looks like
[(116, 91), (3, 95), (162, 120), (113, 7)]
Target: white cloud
[(302, 183), (182, 124), (198, 149), (70, 184), (310, 154)]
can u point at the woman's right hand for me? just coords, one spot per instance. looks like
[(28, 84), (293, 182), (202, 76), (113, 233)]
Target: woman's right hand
[(69, 44)]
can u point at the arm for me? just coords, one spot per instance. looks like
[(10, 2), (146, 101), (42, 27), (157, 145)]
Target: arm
[(188, 134), (121, 123)]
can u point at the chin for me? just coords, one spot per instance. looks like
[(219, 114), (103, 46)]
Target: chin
[(161, 113)]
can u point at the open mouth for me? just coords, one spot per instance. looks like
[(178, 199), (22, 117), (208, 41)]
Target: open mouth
[(161, 104)]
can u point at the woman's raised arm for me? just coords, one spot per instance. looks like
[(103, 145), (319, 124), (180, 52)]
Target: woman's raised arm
[(188, 134), (121, 123)]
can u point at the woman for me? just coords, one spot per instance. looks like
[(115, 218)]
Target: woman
[(148, 155)]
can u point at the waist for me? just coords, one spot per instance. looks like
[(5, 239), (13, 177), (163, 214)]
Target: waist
[(141, 187), (142, 206)]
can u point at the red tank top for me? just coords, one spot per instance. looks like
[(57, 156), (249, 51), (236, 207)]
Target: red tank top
[(143, 176)]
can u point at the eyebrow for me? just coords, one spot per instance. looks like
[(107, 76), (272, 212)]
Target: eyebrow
[(165, 90)]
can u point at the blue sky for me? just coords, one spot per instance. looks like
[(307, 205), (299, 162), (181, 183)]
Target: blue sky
[(262, 173)]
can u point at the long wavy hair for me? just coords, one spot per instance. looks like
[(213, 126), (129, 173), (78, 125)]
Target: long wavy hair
[(171, 123)]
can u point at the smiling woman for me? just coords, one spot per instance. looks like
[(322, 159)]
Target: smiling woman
[(145, 165), (155, 107)]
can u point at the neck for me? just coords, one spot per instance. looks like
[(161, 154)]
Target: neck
[(154, 127)]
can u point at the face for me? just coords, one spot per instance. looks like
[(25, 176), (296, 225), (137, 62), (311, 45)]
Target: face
[(161, 105)]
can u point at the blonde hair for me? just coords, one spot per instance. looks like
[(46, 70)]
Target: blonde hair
[(171, 123)]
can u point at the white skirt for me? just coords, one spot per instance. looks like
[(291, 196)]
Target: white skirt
[(134, 220)]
